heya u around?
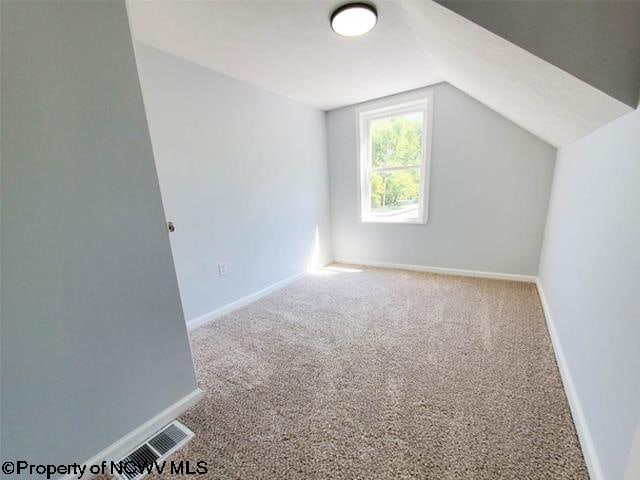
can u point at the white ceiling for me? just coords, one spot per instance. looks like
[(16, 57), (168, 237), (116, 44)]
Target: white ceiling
[(287, 47), (538, 96)]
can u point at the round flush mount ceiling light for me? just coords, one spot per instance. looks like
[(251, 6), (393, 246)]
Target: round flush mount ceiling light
[(354, 19)]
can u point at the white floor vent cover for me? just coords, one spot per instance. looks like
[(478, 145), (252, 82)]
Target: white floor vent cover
[(138, 463)]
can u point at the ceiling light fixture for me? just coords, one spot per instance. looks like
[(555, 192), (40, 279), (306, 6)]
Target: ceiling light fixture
[(354, 19)]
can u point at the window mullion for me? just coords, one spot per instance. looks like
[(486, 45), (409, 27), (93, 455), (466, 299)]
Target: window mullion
[(395, 169)]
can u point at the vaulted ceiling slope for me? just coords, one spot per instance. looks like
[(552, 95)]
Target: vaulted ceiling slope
[(538, 96), (598, 42), (288, 48)]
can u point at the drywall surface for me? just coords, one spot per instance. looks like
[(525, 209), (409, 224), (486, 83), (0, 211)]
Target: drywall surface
[(0, 230), (633, 465), (288, 47), (598, 42), (93, 336), (243, 174), (490, 183), (590, 271), (538, 96)]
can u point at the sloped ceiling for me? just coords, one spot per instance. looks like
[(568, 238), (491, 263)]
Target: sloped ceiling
[(287, 47), (538, 96), (598, 42)]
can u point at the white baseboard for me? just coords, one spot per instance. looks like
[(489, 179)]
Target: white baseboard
[(230, 307), (584, 435), (116, 450), (135, 437), (441, 270)]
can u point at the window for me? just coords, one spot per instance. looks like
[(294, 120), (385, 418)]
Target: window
[(394, 162)]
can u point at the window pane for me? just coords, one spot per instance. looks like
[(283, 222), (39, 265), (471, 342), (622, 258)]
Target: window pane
[(396, 141), (395, 194)]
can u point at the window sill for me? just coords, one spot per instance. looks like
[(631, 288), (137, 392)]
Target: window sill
[(417, 221)]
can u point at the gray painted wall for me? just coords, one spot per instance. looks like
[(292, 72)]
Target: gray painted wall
[(598, 42), (633, 466), (243, 173), (490, 182), (93, 337), (590, 271), (1, 230)]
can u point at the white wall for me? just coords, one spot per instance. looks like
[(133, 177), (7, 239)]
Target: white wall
[(490, 183), (590, 274), (93, 337), (243, 174)]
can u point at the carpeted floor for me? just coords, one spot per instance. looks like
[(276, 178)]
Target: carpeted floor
[(363, 373)]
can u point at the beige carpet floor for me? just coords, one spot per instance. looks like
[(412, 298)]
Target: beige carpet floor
[(366, 373)]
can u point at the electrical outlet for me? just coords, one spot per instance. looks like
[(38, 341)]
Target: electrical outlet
[(222, 269)]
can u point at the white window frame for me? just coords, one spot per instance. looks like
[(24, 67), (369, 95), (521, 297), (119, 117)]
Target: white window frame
[(422, 103)]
